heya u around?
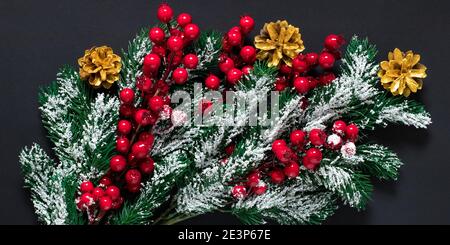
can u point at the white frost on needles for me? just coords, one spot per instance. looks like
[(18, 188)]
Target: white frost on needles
[(402, 114)]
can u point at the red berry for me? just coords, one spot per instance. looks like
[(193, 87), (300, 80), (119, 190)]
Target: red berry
[(159, 50), (105, 181), (147, 138), (301, 84), (352, 132), (326, 60), (280, 85), (234, 75), (127, 95), (235, 29), (175, 43), (317, 137), (156, 103), (312, 82), (212, 82), (299, 65), (183, 19), (285, 69), (117, 203), (144, 83), (124, 127), (285, 155), (87, 199), (147, 166), (143, 117), (292, 170), (165, 13), (308, 164), (239, 192), (180, 75), (133, 177), (278, 145), (156, 35), (190, 61), (326, 78), (334, 141), (333, 41), (260, 188), (97, 193), (140, 149), (151, 63), (247, 24), (312, 59), (276, 176), (134, 188), (113, 192), (339, 127), (248, 54), (86, 186), (247, 69), (122, 145), (234, 37), (253, 179), (230, 149), (117, 163), (314, 155), (126, 110), (226, 65), (105, 203), (191, 31), (297, 137)]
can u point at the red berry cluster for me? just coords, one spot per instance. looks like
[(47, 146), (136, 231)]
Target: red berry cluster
[(105, 196), (303, 146), (237, 59), (303, 75)]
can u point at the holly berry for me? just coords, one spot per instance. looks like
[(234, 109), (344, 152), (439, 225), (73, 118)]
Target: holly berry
[(248, 54), (180, 75), (292, 170), (247, 24), (175, 43), (140, 149), (117, 163), (122, 144), (239, 192), (339, 127), (190, 61), (285, 69), (105, 181), (253, 179), (147, 166), (165, 13), (230, 149), (312, 82), (212, 82), (352, 132), (308, 164), (87, 199), (86, 186), (260, 188), (311, 58), (97, 193), (156, 102), (133, 177), (276, 176), (297, 137), (157, 35), (105, 203), (151, 63), (327, 78), (326, 60), (144, 83), (113, 192), (117, 203), (134, 188), (277, 145), (333, 41), (234, 37), (299, 64), (143, 117), (334, 141), (234, 75), (183, 19), (301, 84), (191, 31), (285, 155), (247, 69), (126, 110), (280, 84), (317, 137), (124, 127), (314, 155), (147, 138), (127, 95), (226, 65)]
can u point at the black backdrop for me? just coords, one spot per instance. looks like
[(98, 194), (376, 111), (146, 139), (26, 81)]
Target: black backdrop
[(37, 37)]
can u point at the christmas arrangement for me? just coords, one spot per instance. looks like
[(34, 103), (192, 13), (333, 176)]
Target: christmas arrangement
[(187, 122)]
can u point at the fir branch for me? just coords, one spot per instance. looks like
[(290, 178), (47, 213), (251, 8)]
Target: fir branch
[(379, 161)]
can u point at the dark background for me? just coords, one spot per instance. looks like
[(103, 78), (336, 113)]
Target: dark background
[(38, 37)]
